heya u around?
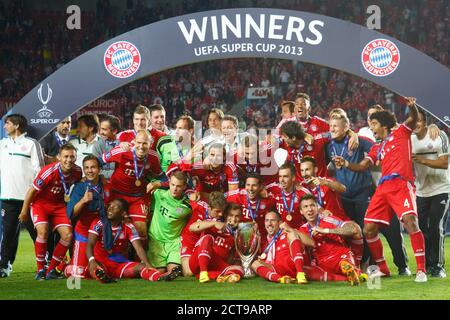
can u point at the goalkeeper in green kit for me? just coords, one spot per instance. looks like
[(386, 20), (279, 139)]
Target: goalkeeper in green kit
[(170, 213)]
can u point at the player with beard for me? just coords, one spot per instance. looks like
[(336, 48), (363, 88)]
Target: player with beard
[(287, 196), (254, 207), (282, 258), (331, 253)]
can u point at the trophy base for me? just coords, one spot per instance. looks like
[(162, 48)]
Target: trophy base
[(249, 273)]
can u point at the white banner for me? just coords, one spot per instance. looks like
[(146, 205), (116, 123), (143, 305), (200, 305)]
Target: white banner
[(260, 93)]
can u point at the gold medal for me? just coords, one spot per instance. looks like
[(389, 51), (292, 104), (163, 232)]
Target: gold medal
[(263, 256), (66, 198), (289, 217), (138, 183)]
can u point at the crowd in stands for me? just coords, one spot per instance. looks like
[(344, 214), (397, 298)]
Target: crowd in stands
[(33, 44)]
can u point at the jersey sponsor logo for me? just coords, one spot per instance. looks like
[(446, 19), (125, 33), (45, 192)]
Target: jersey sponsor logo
[(122, 59), (380, 57)]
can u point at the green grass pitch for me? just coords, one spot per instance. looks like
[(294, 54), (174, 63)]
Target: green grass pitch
[(21, 285)]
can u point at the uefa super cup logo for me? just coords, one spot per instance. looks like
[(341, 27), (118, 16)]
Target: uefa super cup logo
[(44, 112)]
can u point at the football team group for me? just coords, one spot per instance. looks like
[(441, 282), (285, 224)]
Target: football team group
[(155, 203)]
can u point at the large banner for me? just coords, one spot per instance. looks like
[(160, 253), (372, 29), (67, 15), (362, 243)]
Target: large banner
[(237, 33)]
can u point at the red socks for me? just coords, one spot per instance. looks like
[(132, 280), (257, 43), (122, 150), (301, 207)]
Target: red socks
[(318, 274), (204, 256), (40, 248), (297, 256), (58, 254), (418, 246), (267, 273), (357, 248), (376, 250), (150, 274)]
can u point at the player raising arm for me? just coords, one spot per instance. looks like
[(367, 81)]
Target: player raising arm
[(395, 192)]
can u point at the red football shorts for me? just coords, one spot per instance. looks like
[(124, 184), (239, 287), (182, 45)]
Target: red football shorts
[(393, 196), (188, 241), (216, 264), (284, 266), (139, 206), (116, 269), (332, 263), (49, 213)]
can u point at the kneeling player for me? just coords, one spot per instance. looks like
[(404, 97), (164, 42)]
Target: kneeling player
[(331, 256), (107, 252), (214, 251), (282, 259)]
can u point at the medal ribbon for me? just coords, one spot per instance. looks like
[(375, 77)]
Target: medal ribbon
[(291, 208), (309, 226), (63, 182), (380, 150), (180, 151), (249, 207), (251, 168), (119, 231), (272, 242), (230, 229), (136, 171), (319, 196), (344, 148)]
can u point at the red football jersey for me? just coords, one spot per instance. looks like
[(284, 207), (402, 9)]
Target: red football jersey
[(396, 154), (276, 192), (315, 150), (129, 135), (280, 250), (331, 200), (315, 125), (209, 180), (189, 238), (327, 245), (265, 165), (265, 205), (49, 185), (223, 243), (123, 178), (128, 233)]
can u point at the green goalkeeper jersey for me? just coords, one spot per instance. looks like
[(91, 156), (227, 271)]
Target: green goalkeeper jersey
[(169, 151), (170, 215)]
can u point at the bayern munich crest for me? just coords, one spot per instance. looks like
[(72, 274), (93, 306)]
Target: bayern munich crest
[(380, 57), (122, 59)]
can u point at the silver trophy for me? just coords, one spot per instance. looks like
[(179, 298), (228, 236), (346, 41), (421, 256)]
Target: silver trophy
[(247, 241)]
